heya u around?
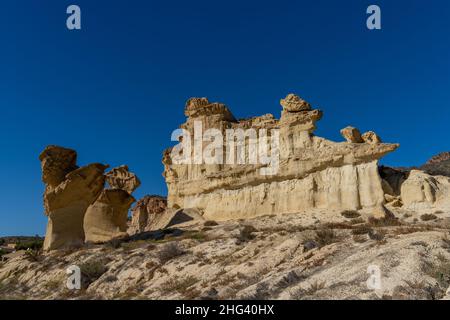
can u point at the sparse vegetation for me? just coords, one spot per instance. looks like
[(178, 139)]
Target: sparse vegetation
[(33, 254), (179, 285), (428, 217), (210, 223), (246, 234), (361, 230), (170, 251), (91, 271), (350, 214), (325, 237), (32, 244)]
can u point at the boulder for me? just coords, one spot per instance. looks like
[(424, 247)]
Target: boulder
[(371, 137), (66, 205), (122, 178), (352, 135), (420, 188), (146, 213)]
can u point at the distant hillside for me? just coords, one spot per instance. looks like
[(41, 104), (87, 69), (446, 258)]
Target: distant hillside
[(438, 165), (16, 239)]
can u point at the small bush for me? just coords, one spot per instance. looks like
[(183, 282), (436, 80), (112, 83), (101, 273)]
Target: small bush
[(361, 230), (359, 238), (246, 234), (376, 235), (33, 254), (387, 222), (179, 285), (428, 217), (325, 237), (350, 214), (91, 271), (210, 223), (170, 251)]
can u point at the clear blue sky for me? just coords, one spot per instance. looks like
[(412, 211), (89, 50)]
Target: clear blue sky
[(115, 90)]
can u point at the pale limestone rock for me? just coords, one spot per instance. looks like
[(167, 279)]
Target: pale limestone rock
[(371, 137), (69, 191), (313, 172), (106, 218), (352, 135), (423, 190), (146, 212), (122, 178)]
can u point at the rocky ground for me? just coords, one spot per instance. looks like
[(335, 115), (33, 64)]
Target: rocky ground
[(293, 256)]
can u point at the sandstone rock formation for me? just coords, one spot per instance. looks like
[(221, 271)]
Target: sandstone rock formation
[(371, 137), (106, 218), (423, 190), (352, 135), (304, 171), (146, 212), (69, 192), (121, 178)]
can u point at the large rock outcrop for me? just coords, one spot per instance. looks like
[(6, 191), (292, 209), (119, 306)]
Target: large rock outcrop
[(146, 213), (106, 218), (298, 173), (421, 190), (69, 192)]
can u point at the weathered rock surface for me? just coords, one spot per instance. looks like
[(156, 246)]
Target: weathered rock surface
[(371, 137), (146, 212), (321, 255), (69, 192), (352, 135), (106, 218), (313, 172), (422, 189), (122, 178)]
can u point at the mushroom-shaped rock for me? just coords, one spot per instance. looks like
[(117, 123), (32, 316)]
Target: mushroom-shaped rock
[(66, 205), (122, 178), (371, 137), (106, 218), (352, 135)]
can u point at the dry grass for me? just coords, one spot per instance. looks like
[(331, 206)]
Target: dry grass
[(91, 271), (246, 234), (170, 251), (325, 237), (428, 217), (179, 285), (350, 214)]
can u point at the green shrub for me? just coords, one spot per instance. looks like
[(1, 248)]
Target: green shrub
[(91, 271), (32, 244)]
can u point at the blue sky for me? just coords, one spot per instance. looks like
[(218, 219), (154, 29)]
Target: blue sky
[(115, 90)]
